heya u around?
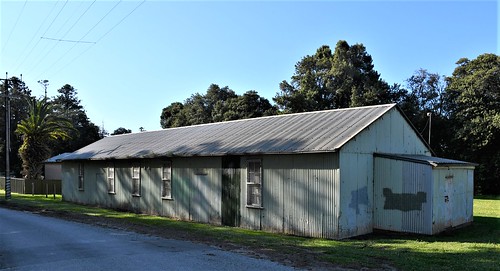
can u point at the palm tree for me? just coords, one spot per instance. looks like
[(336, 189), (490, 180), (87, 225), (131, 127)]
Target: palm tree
[(40, 128)]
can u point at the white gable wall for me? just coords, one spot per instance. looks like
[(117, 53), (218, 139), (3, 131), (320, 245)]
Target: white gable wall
[(389, 134)]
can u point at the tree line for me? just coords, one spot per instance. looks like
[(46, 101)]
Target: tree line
[(464, 108)]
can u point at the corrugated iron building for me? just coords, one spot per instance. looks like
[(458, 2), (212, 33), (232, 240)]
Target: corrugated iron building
[(422, 194), (309, 174)]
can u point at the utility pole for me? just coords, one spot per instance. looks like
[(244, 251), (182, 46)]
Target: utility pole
[(7, 138), (429, 114)]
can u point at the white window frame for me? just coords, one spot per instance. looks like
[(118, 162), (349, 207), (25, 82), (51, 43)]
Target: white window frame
[(110, 179), (254, 183), (136, 181), (166, 179), (81, 179)]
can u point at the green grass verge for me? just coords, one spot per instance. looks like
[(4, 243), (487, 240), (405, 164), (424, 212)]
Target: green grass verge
[(476, 247)]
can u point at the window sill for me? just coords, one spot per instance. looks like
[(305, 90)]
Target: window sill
[(167, 198), (254, 207), (112, 193), (136, 195)]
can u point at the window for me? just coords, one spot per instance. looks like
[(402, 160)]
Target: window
[(166, 181), (254, 183), (80, 176), (136, 181), (111, 179)]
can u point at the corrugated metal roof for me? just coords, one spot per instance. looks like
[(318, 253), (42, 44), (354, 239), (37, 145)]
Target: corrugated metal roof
[(58, 158), (424, 159), (320, 131)]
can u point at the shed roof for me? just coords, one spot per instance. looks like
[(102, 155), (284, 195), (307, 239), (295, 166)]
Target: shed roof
[(58, 158), (424, 159), (319, 131)]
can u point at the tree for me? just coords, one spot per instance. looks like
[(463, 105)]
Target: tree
[(173, 116), (121, 130), (327, 80), (18, 92), (473, 104), (67, 105), (217, 104), (248, 105), (40, 128), (425, 96)]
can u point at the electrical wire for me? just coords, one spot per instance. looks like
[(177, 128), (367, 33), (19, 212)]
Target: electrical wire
[(76, 43), (62, 38), (33, 38), (13, 28), (38, 63), (105, 34), (120, 21)]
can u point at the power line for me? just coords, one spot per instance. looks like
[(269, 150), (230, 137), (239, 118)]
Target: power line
[(120, 21), (63, 55), (83, 52), (81, 15), (34, 36), (43, 35), (106, 15), (62, 40), (15, 24)]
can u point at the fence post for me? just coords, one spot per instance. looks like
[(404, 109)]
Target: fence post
[(46, 189), (33, 189), (54, 190)]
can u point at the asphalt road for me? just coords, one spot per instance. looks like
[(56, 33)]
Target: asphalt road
[(33, 242)]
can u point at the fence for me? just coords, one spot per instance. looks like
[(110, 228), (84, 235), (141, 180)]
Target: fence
[(21, 186)]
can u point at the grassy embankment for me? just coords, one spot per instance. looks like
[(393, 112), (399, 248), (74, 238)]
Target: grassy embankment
[(476, 247)]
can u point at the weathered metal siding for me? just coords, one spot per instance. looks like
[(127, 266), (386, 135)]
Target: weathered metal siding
[(387, 174), (403, 192), (389, 134), (196, 187), (356, 198), (300, 195), (53, 171), (417, 198), (196, 190), (453, 198)]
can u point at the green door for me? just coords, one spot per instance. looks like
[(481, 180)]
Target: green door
[(231, 191)]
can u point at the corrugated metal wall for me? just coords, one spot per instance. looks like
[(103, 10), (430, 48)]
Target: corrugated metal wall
[(196, 187), (390, 134), (453, 197), (300, 195), (403, 196), (417, 198)]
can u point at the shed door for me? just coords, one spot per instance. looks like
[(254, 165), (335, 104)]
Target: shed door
[(231, 179)]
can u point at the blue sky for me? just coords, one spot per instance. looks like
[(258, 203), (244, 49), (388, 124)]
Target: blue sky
[(133, 58)]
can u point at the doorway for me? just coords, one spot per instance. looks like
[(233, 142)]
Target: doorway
[(231, 179)]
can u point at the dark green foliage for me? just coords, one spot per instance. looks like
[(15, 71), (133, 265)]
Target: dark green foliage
[(473, 105), (19, 93), (425, 95), (67, 105), (326, 80), (121, 131), (42, 126), (218, 104)]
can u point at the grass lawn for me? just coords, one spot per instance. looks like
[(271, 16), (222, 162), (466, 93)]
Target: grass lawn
[(476, 247)]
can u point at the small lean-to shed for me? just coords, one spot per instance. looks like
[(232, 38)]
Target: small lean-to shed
[(422, 194), (53, 167), (308, 174)]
